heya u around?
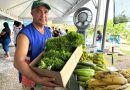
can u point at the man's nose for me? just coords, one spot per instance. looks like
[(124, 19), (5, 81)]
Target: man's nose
[(43, 15)]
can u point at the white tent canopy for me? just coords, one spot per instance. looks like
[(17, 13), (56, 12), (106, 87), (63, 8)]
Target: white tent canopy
[(20, 9)]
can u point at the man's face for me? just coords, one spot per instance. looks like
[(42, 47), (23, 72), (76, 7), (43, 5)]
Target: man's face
[(40, 15)]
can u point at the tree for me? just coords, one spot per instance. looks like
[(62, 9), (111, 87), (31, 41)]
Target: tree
[(116, 29), (121, 18)]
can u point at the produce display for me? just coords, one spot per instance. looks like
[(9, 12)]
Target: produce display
[(92, 74), (108, 80), (59, 49), (126, 74), (91, 70), (96, 60), (87, 66)]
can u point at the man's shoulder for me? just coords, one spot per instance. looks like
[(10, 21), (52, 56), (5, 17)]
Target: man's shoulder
[(47, 28), (26, 29), (28, 26)]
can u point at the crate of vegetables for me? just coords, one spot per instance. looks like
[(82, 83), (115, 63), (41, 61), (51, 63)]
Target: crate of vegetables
[(60, 58)]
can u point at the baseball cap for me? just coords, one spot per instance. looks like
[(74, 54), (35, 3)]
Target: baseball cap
[(40, 3)]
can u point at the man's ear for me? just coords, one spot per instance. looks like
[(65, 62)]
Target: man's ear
[(31, 13)]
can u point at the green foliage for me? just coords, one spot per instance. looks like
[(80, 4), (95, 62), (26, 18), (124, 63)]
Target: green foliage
[(84, 47), (53, 62), (58, 43), (90, 31), (113, 29), (128, 38), (72, 28), (42, 65), (59, 50), (75, 39), (121, 18), (63, 55), (67, 42), (117, 29)]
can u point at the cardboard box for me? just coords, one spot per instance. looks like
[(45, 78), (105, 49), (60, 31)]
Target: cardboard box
[(63, 76)]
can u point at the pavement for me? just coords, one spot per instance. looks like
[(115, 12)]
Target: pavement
[(6, 63), (8, 74)]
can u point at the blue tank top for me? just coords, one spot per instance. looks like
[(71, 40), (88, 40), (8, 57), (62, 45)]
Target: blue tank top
[(36, 40)]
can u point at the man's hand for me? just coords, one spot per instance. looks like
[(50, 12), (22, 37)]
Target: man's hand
[(49, 82)]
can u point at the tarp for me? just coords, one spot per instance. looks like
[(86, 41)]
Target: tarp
[(22, 8)]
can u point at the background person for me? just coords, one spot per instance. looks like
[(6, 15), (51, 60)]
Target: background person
[(99, 36), (56, 33), (5, 35), (99, 40), (16, 28)]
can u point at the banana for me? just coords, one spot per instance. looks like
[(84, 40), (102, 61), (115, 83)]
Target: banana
[(96, 88), (128, 79), (97, 68), (101, 66), (109, 87), (112, 78), (98, 62), (95, 82), (128, 88), (123, 87), (99, 74), (125, 73)]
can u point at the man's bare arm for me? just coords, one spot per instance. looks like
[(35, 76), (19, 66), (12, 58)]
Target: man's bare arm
[(20, 55), (23, 67)]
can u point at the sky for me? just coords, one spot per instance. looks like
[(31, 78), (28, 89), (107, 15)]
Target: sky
[(122, 7)]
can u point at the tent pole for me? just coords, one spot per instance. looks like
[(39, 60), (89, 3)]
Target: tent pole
[(105, 24), (96, 23)]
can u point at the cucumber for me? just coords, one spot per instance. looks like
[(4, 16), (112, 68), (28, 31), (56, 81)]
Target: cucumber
[(84, 72), (83, 67), (83, 78), (87, 64)]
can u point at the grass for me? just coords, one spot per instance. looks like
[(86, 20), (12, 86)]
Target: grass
[(127, 52), (125, 49)]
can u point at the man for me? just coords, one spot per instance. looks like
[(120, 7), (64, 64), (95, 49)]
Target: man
[(34, 37)]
